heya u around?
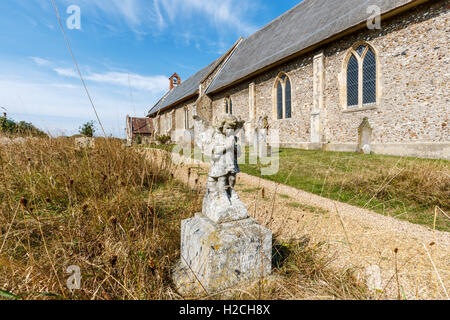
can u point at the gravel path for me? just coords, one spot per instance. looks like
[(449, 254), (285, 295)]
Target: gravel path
[(394, 257)]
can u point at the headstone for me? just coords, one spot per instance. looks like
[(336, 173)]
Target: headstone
[(366, 149), (84, 142), (187, 138), (365, 136), (221, 246), (260, 140)]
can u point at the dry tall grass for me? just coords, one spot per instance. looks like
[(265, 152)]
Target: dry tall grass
[(406, 188), (117, 217)]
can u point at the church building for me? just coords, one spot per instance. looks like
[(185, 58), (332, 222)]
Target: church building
[(341, 75)]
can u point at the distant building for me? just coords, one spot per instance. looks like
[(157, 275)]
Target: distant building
[(139, 130), (327, 78)]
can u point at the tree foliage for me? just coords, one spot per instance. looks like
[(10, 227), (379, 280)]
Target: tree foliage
[(22, 128), (88, 129)]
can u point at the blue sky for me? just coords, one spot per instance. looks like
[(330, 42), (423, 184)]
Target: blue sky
[(121, 42)]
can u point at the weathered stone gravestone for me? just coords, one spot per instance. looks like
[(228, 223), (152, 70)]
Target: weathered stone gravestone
[(260, 139), (221, 246), (365, 136), (83, 142)]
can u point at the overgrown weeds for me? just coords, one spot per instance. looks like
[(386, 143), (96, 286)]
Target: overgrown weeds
[(105, 210), (116, 216)]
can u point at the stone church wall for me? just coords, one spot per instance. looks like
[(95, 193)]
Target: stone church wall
[(411, 116)]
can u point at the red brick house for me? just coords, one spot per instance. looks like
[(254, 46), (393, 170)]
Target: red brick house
[(139, 130)]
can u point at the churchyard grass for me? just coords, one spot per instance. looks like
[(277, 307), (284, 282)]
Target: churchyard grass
[(404, 188), (116, 216), (411, 189)]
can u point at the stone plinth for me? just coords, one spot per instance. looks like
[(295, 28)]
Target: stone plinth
[(222, 208), (219, 256)]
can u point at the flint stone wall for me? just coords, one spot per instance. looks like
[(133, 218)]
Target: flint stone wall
[(414, 99), (412, 116)]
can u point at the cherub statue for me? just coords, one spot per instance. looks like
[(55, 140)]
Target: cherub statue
[(222, 203), (224, 155)]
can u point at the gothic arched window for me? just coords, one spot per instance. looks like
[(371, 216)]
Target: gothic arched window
[(361, 76), (280, 100), (369, 78), (186, 119), (352, 82), (287, 99), (228, 105), (283, 97)]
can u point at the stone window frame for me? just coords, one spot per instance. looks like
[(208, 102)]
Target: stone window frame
[(252, 100), (227, 102), (275, 95), (169, 122), (343, 77), (186, 119)]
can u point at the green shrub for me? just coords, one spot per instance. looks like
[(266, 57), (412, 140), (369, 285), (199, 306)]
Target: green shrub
[(88, 129), (164, 139), (10, 127)]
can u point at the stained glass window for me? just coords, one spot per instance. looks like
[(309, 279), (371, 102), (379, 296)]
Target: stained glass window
[(280, 100), (360, 50), (370, 78), (353, 82), (288, 98)]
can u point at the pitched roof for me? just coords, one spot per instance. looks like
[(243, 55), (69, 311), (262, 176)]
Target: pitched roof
[(307, 24), (185, 90), (141, 125)]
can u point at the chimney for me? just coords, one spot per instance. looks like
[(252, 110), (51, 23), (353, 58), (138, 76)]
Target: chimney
[(175, 81)]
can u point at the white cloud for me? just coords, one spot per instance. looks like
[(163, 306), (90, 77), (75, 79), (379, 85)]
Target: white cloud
[(152, 84), (150, 16), (155, 84), (63, 107), (64, 85), (225, 13), (67, 72), (40, 61), (57, 102), (132, 12)]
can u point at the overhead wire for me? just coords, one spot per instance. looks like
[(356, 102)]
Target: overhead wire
[(77, 67)]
